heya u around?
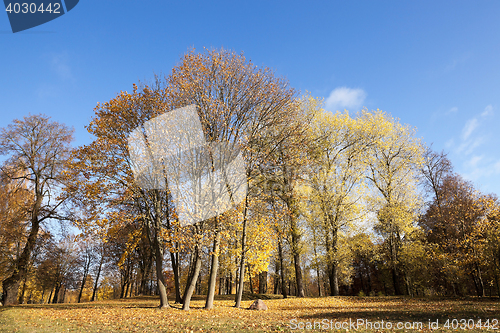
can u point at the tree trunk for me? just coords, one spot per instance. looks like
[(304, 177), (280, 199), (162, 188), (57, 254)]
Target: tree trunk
[(63, 298), (194, 278), (497, 284), (133, 287), (10, 290), (408, 287), (319, 281), (213, 269), (159, 273), (10, 286), (317, 265), (127, 286), (239, 289), (198, 284), (50, 295), (282, 269), (192, 261), (158, 251), (481, 291), (23, 290), (97, 279), (145, 267), (298, 275), (296, 254), (81, 288), (395, 281), (175, 267), (369, 279), (334, 280), (56, 293), (263, 282), (123, 285), (250, 280), (394, 271), (276, 283)]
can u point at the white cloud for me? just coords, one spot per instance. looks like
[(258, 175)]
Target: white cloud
[(469, 127), (453, 110), (480, 168), (488, 111), (345, 98), (476, 150), (468, 147), (474, 161)]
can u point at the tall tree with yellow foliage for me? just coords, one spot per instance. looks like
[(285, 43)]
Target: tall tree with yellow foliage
[(335, 185), (394, 163)]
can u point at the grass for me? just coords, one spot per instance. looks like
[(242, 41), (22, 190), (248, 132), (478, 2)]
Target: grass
[(142, 315)]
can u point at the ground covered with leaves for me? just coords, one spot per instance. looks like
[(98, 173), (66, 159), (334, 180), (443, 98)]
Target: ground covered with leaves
[(370, 314)]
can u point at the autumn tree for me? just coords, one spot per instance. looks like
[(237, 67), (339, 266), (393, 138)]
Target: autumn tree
[(435, 168), (86, 260), (280, 176), (335, 185), (103, 184), (29, 286), (100, 252), (492, 248), (364, 255), (239, 105), (63, 258), (36, 151), (456, 223), (286, 173), (393, 166), (14, 203)]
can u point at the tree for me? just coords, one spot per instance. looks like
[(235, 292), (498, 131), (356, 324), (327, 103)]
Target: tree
[(335, 182), (86, 258), (435, 168), (364, 253), (101, 255), (239, 105), (457, 224), (37, 151), (282, 174), (103, 184), (493, 238), (396, 158), (14, 203), (63, 259)]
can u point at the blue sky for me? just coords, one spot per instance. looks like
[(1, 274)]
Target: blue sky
[(433, 64)]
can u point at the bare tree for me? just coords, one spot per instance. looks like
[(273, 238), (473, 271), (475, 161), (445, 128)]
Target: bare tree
[(435, 169), (86, 259)]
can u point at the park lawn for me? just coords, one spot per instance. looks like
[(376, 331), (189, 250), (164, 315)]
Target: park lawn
[(141, 315)]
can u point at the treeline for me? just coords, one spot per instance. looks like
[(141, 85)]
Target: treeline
[(336, 204)]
